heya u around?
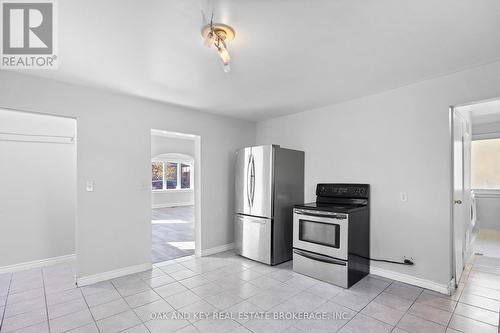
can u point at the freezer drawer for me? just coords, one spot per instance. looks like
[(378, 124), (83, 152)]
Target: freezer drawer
[(321, 267), (253, 237)]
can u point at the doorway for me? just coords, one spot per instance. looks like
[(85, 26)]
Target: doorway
[(38, 190), (475, 207), (485, 176), (175, 160)]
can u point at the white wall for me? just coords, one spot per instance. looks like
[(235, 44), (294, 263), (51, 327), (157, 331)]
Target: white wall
[(172, 198), (396, 141), (37, 189), (488, 209), (113, 222), (166, 145)]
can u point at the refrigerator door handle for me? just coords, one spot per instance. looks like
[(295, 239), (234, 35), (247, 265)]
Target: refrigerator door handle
[(252, 178), (249, 181), (259, 221)]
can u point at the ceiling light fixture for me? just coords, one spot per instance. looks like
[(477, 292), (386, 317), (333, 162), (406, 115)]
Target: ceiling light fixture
[(217, 35)]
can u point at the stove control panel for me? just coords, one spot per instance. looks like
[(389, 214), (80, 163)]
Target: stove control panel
[(343, 190)]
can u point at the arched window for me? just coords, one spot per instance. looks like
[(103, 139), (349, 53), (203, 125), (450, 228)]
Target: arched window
[(172, 172)]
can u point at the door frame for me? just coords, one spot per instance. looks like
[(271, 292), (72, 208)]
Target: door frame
[(451, 119), (197, 180), (70, 258)]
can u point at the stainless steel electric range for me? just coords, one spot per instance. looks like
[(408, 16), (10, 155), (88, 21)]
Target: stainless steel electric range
[(331, 237)]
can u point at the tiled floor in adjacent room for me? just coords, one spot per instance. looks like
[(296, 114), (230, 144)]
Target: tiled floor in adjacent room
[(41, 299), (488, 243), (172, 233)]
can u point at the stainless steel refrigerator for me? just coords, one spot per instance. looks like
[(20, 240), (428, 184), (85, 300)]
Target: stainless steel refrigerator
[(269, 181)]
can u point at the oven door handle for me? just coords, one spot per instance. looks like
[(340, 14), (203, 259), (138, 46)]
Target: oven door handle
[(336, 216), (319, 257)]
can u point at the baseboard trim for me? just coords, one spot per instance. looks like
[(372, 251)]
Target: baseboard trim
[(37, 263), (217, 249), (174, 204), (427, 284), (91, 279)]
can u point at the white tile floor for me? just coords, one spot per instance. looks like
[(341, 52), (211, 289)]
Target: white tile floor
[(172, 233), (488, 243), (43, 300)]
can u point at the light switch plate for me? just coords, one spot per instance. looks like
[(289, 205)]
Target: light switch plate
[(404, 196), (89, 187)]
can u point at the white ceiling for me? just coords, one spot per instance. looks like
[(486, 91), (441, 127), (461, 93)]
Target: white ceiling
[(288, 55)]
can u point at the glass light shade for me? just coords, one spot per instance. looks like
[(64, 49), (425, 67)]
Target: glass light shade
[(209, 40), (224, 55)]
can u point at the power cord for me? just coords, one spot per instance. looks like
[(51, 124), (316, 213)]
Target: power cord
[(404, 262)]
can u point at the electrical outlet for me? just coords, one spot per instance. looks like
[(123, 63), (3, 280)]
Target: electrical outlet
[(404, 196), (408, 258)]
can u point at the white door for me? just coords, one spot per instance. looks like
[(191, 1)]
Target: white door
[(459, 213)]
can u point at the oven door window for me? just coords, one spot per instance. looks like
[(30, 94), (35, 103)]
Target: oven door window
[(326, 234)]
